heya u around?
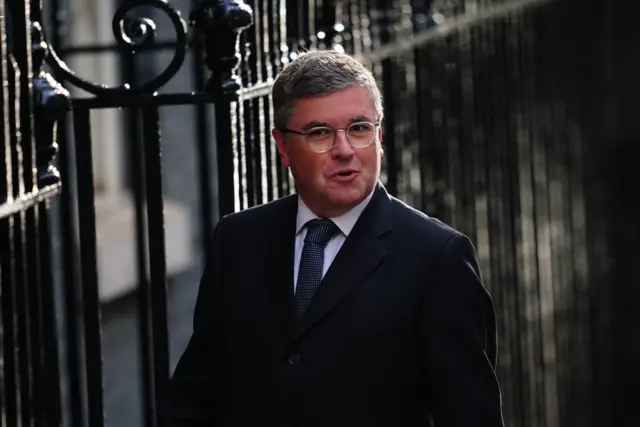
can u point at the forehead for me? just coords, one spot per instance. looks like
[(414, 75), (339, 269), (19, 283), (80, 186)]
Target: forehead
[(338, 108)]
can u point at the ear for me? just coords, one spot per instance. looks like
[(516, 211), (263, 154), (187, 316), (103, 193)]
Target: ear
[(380, 139), (282, 147)]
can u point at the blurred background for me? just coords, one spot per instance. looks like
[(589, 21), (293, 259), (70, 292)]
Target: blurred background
[(515, 121)]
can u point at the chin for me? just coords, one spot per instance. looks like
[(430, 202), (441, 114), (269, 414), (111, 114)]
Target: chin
[(348, 198)]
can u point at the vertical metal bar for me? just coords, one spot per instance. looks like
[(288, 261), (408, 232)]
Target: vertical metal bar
[(9, 328), (473, 157), (88, 267), (261, 41), (71, 289), (38, 328), (50, 367), (476, 187), (581, 388), (225, 142), (426, 85), (524, 340), (561, 263), (511, 313), (241, 145), (68, 222), (323, 25), (450, 133), (23, 318), (204, 152), (528, 264), (488, 169), (495, 120), (422, 107), (438, 133), (33, 300), (310, 34), (5, 167), (354, 25), (272, 59), (157, 289), (302, 27), (251, 153), (599, 287), (287, 32), (546, 284), (388, 93), (503, 260), (247, 140), (535, 224), (137, 170)]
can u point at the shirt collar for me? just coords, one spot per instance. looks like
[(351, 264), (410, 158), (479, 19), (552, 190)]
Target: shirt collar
[(345, 222)]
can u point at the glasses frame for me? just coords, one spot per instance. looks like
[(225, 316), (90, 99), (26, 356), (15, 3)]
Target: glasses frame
[(335, 134)]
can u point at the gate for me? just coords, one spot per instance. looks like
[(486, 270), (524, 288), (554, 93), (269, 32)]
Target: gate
[(34, 131), (497, 121)]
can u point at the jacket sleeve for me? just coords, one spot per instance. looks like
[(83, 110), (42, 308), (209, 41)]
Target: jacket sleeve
[(459, 328), (192, 398)]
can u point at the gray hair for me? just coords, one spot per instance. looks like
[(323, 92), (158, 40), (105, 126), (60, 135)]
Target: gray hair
[(320, 72)]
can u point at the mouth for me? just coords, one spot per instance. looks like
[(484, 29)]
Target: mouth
[(345, 175)]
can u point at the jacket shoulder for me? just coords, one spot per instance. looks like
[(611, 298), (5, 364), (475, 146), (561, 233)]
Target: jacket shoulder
[(419, 228), (261, 214)]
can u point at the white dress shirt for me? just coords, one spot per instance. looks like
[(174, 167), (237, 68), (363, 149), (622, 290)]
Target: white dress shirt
[(345, 223)]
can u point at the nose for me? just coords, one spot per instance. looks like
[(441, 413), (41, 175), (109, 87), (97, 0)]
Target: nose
[(342, 148)]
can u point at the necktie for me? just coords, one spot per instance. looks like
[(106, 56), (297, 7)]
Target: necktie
[(319, 232)]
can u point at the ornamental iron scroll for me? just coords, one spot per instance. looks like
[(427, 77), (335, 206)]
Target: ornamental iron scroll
[(217, 23), (130, 35)]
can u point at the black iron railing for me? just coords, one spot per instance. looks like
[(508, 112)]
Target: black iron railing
[(32, 102)]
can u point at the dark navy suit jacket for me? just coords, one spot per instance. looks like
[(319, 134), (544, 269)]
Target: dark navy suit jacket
[(401, 331)]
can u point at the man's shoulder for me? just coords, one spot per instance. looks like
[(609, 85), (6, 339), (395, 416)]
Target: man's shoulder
[(413, 224), (261, 214)]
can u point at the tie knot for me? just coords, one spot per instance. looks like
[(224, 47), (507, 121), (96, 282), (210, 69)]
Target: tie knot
[(320, 231)]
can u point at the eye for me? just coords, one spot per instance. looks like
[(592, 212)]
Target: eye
[(318, 133), (361, 127)]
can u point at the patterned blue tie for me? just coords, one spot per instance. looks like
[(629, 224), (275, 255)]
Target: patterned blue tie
[(319, 232)]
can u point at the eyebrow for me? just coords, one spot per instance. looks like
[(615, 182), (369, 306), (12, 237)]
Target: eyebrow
[(361, 119), (314, 123)]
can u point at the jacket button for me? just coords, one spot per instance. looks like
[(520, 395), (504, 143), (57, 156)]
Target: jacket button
[(294, 358)]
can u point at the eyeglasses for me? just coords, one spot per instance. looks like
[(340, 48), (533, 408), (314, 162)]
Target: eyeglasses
[(321, 139)]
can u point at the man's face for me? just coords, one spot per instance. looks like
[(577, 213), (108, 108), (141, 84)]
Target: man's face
[(332, 183)]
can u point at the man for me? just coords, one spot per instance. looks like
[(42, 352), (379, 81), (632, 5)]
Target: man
[(338, 306)]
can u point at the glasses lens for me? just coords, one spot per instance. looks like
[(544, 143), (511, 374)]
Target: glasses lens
[(320, 139), (361, 134)]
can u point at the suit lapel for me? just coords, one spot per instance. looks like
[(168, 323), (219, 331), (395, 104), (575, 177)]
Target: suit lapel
[(360, 254), (279, 258)]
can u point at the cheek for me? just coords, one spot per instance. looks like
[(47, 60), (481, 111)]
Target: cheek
[(308, 168), (371, 160)]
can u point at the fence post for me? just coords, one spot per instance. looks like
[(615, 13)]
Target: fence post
[(218, 25)]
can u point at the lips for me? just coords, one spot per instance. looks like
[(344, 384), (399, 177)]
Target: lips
[(345, 175), (345, 172)]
